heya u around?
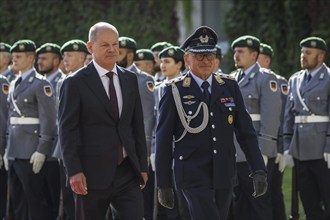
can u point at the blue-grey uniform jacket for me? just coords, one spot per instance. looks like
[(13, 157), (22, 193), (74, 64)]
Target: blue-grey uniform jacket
[(4, 84)]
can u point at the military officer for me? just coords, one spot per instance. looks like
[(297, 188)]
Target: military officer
[(31, 133), (144, 60), (5, 61), (277, 198), (307, 128), (48, 59), (156, 48), (4, 85), (200, 111), (262, 98), (127, 49)]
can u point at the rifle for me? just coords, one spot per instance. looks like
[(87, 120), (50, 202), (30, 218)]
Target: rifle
[(294, 197)]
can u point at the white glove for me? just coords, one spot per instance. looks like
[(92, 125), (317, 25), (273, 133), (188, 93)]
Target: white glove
[(38, 160), (288, 159), (265, 159), (5, 160), (280, 160), (327, 159), (1, 161), (152, 161)]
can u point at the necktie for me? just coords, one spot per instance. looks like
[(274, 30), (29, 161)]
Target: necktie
[(18, 81), (115, 110), (308, 78), (240, 77), (205, 86)]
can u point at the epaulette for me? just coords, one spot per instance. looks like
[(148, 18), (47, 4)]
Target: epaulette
[(226, 76), (158, 83), (264, 70), (39, 76), (175, 80)]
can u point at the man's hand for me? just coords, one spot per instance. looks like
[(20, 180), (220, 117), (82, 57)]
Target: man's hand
[(259, 183), (37, 159), (78, 184), (288, 159), (145, 179), (280, 160), (327, 159), (166, 197)]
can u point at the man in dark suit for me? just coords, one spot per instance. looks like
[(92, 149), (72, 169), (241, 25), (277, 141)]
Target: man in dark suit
[(102, 134), (201, 111)]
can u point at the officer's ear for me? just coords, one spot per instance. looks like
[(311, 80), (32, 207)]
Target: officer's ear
[(90, 47)]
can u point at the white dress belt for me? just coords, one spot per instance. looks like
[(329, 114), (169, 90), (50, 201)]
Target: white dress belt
[(311, 119), (24, 121), (255, 117)]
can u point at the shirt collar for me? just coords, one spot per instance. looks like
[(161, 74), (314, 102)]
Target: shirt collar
[(101, 71), (26, 73), (199, 81), (248, 70), (314, 72)]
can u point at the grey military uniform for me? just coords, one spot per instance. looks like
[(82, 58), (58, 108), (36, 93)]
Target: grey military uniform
[(4, 84), (9, 74), (146, 90), (307, 140), (263, 101), (32, 123)]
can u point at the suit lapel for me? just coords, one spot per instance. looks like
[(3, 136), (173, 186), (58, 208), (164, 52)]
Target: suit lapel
[(124, 89)]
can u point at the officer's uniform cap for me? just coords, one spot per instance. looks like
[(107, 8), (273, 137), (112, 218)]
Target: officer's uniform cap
[(266, 49), (246, 41), (203, 40), (4, 47), (23, 46), (143, 54), (174, 52), (74, 45), (314, 42), (159, 46), (49, 48), (127, 42)]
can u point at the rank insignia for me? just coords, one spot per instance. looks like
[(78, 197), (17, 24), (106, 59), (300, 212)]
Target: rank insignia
[(252, 75), (151, 86), (5, 88), (48, 91), (186, 82), (219, 80), (273, 85), (188, 97), (230, 119), (284, 89), (321, 76)]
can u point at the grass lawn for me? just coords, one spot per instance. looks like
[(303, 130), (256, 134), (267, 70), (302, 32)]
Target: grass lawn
[(287, 194)]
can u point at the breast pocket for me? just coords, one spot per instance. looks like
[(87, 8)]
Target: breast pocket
[(251, 101)]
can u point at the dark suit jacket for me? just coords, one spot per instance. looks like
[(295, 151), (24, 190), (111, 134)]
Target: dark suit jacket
[(89, 135)]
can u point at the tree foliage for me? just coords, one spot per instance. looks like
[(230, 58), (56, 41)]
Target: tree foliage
[(63, 20), (281, 24)]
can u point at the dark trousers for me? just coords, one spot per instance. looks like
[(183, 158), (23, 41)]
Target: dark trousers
[(3, 192), (67, 196), (52, 185), (124, 196), (148, 196), (277, 197), (313, 177), (245, 206), (27, 191)]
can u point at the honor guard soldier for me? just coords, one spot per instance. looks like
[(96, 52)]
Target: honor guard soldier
[(31, 131), (307, 128), (5, 61), (201, 111), (144, 60), (4, 85), (278, 208), (48, 59), (262, 98), (74, 54), (127, 49), (156, 48)]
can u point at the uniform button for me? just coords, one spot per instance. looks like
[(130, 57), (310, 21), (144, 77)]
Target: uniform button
[(230, 109), (211, 113), (190, 112), (215, 151), (181, 158), (14, 110), (14, 126), (35, 131), (301, 126), (318, 98), (303, 99), (214, 138), (250, 96), (213, 126), (25, 100)]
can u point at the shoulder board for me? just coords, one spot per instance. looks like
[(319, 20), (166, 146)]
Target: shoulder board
[(264, 70), (157, 84), (175, 80), (41, 77), (226, 76)]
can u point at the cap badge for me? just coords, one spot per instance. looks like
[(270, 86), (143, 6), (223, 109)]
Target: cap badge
[(171, 52), (2, 47), (249, 42), (261, 49), (313, 43), (123, 43), (140, 56), (75, 47), (48, 48), (204, 39), (21, 47)]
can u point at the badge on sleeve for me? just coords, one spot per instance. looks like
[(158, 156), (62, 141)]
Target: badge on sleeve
[(150, 85), (5, 88), (48, 90), (273, 85), (284, 89)]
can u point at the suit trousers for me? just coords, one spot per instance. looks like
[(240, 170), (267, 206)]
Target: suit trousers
[(245, 206), (277, 196), (123, 195), (27, 191), (313, 177)]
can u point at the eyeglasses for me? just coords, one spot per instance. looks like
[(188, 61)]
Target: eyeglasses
[(200, 56)]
